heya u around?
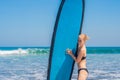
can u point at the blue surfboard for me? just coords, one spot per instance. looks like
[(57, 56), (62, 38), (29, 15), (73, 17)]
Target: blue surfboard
[(67, 28)]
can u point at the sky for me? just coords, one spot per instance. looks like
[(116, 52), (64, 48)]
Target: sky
[(31, 22), (102, 22)]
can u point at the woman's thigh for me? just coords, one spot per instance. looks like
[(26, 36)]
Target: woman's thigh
[(82, 75)]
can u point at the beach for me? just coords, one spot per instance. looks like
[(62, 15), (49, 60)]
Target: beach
[(102, 63)]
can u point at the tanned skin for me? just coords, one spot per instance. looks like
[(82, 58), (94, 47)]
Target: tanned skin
[(81, 53)]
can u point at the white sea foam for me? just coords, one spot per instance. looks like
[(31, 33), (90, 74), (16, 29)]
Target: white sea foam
[(9, 52), (99, 71), (21, 51)]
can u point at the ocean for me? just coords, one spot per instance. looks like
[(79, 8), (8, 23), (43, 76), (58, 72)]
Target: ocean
[(30, 63)]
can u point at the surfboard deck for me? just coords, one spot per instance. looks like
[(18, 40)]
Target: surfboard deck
[(65, 35)]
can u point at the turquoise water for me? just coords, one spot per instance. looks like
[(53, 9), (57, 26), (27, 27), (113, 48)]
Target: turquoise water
[(31, 63)]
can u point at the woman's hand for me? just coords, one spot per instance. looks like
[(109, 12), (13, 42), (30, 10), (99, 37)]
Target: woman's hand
[(68, 51)]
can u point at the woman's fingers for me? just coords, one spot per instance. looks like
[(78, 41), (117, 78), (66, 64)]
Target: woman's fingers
[(67, 50)]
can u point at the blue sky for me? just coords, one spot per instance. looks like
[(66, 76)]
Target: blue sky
[(102, 22), (31, 22)]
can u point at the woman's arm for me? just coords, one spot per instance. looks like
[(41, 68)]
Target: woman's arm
[(79, 57), (72, 55), (76, 59)]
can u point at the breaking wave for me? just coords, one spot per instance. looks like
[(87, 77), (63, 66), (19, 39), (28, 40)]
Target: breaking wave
[(21, 51)]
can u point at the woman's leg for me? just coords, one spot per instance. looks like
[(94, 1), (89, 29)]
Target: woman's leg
[(82, 75)]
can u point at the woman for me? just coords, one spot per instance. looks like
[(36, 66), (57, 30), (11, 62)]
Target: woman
[(81, 58)]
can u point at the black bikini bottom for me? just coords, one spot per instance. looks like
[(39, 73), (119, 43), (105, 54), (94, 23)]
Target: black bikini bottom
[(83, 69)]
